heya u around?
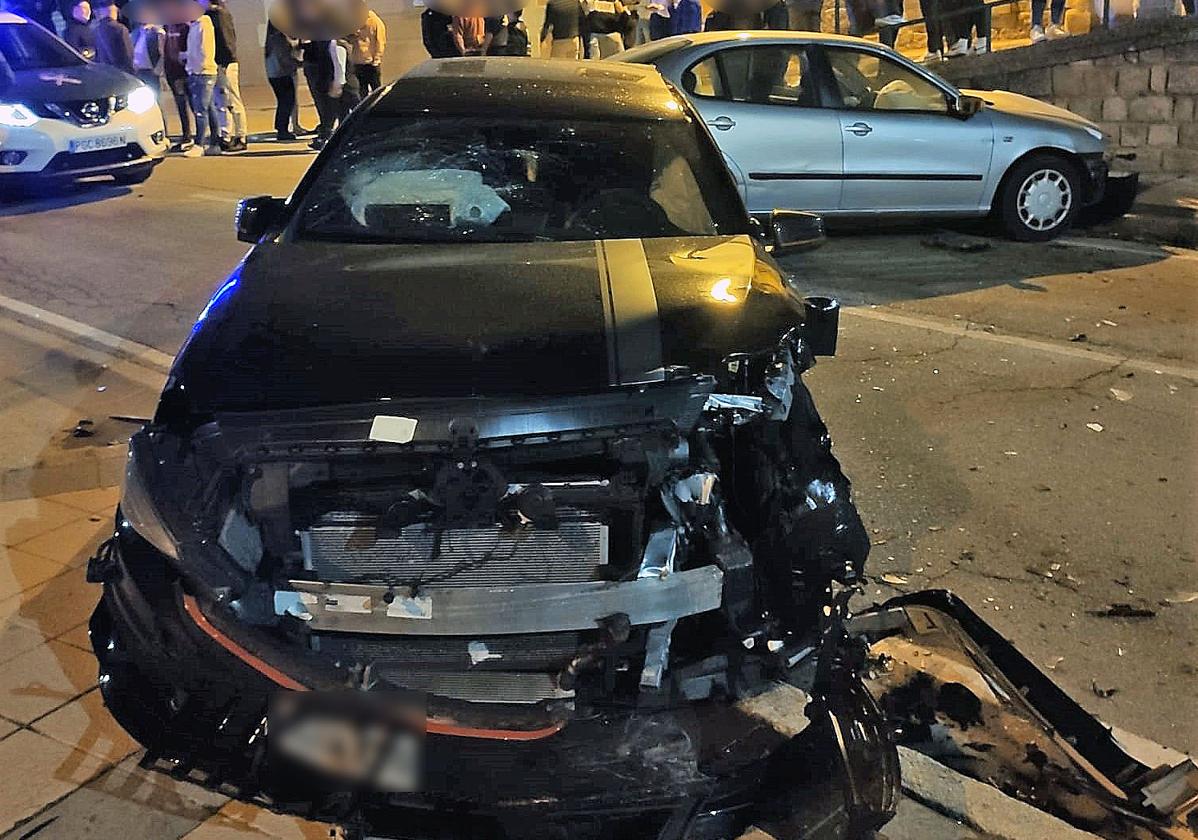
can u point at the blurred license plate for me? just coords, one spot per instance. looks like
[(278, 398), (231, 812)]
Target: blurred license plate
[(95, 144), (373, 739)]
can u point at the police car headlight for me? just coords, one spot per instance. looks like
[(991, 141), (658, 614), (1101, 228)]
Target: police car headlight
[(141, 100), (16, 115)]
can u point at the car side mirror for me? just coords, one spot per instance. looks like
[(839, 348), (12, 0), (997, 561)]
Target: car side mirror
[(255, 216), (794, 231), (965, 106)]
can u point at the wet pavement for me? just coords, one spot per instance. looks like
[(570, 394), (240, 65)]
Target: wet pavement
[(1043, 476)]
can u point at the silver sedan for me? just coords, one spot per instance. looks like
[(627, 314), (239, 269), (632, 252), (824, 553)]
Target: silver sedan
[(849, 128)]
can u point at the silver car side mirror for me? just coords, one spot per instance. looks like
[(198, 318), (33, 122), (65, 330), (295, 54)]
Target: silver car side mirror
[(965, 106)]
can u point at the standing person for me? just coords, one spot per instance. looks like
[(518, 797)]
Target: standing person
[(776, 17), (281, 67), (434, 33), (562, 31), (38, 11), (113, 44), (319, 71), (470, 35), (805, 15), (515, 35), (79, 33), (149, 42), (1056, 25), (638, 30), (199, 58), (686, 17), (936, 27), (174, 45), (659, 19), (233, 132), (605, 26), (349, 90), (366, 52)]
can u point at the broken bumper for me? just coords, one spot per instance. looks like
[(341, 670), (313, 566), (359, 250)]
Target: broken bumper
[(194, 688)]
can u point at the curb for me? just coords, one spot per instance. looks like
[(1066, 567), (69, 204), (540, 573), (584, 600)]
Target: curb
[(983, 808), (80, 333)]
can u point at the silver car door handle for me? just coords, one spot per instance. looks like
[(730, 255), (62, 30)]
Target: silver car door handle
[(859, 128), (722, 123)]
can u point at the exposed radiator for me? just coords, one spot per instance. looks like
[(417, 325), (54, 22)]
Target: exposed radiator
[(346, 547)]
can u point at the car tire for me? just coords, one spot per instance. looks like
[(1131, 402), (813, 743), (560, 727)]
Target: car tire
[(1040, 198), (133, 175)]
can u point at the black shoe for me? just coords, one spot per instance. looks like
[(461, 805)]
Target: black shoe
[(285, 137), (237, 145), (304, 132), (223, 142), (318, 143)]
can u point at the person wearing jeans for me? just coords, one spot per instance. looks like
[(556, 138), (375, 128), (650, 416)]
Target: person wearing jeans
[(233, 120), (200, 61), (281, 68), (1056, 28)]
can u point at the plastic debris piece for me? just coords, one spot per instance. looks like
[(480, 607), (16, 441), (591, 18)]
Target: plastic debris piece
[(1078, 337), (1123, 611), (1183, 598), (1120, 394), (894, 580), (1094, 427)]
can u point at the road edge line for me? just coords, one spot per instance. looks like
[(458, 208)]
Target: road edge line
[(93, 337)]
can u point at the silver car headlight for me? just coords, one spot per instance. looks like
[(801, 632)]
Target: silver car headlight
[(139, 512)]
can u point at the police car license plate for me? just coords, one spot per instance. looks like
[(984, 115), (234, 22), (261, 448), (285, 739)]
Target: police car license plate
[(95, 144)]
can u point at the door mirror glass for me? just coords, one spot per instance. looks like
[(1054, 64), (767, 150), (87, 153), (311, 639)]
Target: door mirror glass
[(255, 216), (794, 231), (966, 106)]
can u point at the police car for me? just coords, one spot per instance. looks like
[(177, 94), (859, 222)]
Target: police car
[(63, 117)]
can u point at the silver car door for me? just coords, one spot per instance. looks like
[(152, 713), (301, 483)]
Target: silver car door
[(760, 103), (904, 151)]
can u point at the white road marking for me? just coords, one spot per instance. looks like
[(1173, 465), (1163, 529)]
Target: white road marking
[(962, 329), (1127, 248), (94, 337)]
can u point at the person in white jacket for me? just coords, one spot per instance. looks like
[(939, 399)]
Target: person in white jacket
[(200, 60)]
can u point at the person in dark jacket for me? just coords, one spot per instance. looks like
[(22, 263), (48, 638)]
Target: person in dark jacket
[(686, 17), (113, 44), (176, 78), (319, 61), (434, 32), (233, 127), (561, 34), (79, 33), (281, 69)]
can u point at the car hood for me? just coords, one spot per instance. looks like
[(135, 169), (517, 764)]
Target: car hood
[(1024, 106), (312, 323), (67, 84)]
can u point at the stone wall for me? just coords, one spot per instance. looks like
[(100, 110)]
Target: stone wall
[(1139, 82)]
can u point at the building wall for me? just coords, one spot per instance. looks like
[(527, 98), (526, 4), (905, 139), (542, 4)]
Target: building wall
[(1139, 82)]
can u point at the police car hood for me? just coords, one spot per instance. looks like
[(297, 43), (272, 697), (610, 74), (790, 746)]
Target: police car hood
[(314, 323), (69, 84)]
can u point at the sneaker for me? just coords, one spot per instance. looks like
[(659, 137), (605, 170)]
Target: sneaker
[(1056, 32), (192, 151), (931, 58), (213, 151), (890, 20), (1037, 34), (317, 144), (982, 46), (961, 47), (236, 145), (182, 146)]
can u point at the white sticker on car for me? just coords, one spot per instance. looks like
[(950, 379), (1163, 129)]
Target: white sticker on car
[(393, 429)]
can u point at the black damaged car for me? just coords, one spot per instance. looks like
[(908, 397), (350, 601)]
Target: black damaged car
[(486, 498)]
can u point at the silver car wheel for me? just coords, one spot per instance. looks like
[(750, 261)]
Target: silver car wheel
[(1045, 199)]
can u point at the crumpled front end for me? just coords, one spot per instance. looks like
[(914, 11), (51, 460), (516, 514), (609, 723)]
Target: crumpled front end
[(609, 609)]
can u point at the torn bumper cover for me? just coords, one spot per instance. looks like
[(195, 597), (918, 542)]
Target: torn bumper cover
[(958, 691)]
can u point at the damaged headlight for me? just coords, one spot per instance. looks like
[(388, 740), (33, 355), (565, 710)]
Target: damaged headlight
[(139, 512)]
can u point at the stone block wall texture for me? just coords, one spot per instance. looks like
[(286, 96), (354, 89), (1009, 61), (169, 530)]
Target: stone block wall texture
[(1138, 82)]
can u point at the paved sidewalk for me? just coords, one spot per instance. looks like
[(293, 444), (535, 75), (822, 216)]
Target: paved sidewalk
[(1165, 212)]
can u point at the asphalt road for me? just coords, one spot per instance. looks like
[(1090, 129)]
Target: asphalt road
[(1042, 478)]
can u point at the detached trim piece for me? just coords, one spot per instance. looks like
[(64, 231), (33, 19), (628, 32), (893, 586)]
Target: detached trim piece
[(433, 726), (531, 608)]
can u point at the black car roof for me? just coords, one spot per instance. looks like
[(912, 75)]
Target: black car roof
[(544, 88)]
